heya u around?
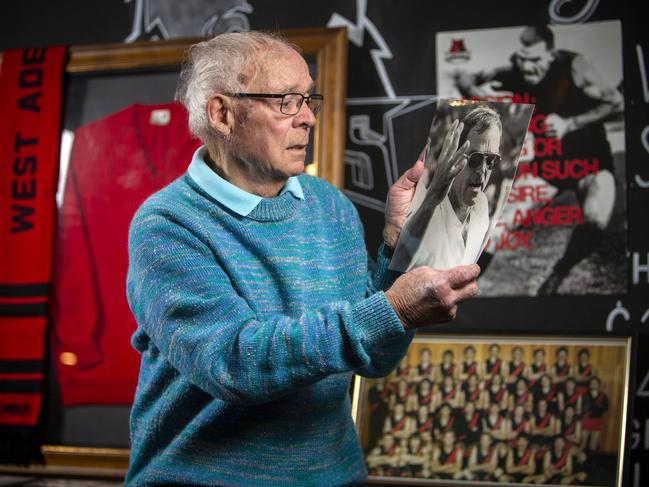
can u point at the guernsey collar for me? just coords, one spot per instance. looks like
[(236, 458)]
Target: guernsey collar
[(226, 193)]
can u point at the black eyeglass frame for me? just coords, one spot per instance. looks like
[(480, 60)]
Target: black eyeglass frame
[(496, 158), (304, 98)]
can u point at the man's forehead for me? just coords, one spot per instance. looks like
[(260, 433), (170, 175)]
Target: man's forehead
[(538, 49), (283, 71), (294, 86), (491, 133)]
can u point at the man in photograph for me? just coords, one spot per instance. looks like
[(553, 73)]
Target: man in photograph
[(483, 461), (384, 459), (455, 200), (557, 465), (447, 458), (521, 463), (572, 103), (249, 282)]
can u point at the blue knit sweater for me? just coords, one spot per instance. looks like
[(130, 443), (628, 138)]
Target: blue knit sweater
[(249, 330)]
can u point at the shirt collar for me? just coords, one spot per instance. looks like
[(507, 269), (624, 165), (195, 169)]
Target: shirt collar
[(226, 193)]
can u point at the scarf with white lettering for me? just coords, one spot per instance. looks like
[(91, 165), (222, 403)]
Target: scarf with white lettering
[(31, 87)]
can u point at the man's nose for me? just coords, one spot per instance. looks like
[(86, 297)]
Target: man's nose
[(483, 168), (528, 66), (305, 117)]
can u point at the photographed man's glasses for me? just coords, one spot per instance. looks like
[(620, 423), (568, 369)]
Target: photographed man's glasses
[(291, 102), (477, 158)]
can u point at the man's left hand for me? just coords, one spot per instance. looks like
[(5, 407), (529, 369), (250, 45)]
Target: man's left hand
[(398, 202)]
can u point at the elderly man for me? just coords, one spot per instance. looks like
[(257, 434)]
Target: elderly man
[(450, 226), (248, 280)]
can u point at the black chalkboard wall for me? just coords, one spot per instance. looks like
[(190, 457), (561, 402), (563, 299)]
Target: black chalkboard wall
[(392, 56)]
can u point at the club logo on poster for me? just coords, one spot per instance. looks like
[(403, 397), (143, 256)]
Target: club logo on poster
[(457, 52)]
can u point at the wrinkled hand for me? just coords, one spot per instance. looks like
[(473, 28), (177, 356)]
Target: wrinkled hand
[(426, 296), (450, 162), (557, 126), (445, 167), (398, 202), (451, 159)]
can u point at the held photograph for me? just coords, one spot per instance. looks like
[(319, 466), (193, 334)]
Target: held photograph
[(470, 159), (503, 410)]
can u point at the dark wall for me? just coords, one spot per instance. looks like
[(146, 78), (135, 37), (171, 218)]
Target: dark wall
[(407, 30)]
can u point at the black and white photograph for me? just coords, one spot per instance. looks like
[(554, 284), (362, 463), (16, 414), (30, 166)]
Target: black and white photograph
[(563, 230), (502, 409), (470, 163)]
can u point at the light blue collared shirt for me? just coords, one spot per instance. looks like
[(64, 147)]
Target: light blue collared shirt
[(229, 195)]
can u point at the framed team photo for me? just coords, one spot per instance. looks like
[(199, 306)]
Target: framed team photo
[(500, 410)]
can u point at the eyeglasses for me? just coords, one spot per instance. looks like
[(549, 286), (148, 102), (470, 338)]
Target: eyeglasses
[(476, 159), (291, 102)]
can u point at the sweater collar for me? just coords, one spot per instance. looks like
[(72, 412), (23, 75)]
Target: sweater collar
[(226, 193)]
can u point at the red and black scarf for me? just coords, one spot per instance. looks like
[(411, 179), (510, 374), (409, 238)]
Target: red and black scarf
[(31, 87)]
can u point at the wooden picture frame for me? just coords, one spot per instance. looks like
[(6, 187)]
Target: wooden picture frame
[(406, 429), (328, 46), (325, 50)]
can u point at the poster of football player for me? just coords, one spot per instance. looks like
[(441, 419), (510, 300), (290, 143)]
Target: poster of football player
[(470, 162), (504, 410), (564, 228)]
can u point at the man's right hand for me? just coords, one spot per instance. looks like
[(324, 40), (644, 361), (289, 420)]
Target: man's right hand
[(426, 296), (450, 161)]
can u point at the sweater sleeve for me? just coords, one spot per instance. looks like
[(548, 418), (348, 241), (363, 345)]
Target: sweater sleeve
[(382, 277), (387, 354), (186, 305)]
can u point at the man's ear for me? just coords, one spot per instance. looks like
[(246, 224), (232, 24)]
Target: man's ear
[(220, 114)]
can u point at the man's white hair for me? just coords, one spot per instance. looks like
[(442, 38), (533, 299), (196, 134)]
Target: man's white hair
[(223, 64)]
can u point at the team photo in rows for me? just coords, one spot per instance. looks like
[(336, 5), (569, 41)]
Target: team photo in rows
[(491, 412)]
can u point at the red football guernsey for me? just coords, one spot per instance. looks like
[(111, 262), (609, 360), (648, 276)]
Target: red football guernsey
[(116, 163)]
